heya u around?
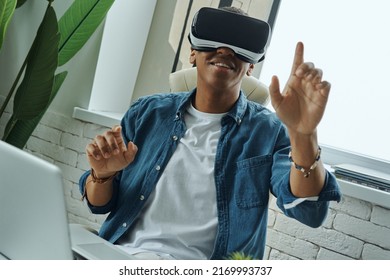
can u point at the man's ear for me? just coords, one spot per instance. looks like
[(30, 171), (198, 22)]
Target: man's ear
[(192, 56), (250, 69)]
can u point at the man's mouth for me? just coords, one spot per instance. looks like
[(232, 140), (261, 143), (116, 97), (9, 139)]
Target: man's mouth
[(221, 64)]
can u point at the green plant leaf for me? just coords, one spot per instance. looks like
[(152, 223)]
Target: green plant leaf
[(7, 9), (78, 24), (20, 3), (58, 80), (17, 132), (239, 256), (34, 92)]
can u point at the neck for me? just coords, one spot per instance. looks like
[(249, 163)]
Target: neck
[(215, 101)]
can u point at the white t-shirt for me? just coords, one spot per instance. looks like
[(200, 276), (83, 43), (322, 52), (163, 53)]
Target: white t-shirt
[(180, 218)]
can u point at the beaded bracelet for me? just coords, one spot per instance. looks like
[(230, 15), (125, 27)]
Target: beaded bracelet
[(101, 180), (306, 173)]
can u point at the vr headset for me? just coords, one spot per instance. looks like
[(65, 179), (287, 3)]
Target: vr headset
[(214, 28)]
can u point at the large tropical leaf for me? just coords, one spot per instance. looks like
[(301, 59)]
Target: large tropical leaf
[(17, 132), (7, 8), (20, 3), (78, 24), (34, 92)]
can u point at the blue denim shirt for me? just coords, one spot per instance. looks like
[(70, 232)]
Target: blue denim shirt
[(251, 161)]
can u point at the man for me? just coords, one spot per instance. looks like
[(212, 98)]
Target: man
[(188, 175)]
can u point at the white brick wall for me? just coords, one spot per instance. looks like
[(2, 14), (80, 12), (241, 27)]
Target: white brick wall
[(354, 229)]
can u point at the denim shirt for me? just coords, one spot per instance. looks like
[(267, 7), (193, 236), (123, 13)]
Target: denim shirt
[(251, 161)]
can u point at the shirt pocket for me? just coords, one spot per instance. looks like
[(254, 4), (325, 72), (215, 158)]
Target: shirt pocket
[(252, 181)]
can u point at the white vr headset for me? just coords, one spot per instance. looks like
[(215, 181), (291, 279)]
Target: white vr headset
[(215, 28)]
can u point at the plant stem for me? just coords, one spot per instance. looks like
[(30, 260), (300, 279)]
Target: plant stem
[(9, 128)]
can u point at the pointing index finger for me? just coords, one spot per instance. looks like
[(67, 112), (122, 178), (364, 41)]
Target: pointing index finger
[(298, 57)]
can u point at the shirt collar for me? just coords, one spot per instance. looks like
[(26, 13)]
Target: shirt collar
[(236, 113), (239, 108)]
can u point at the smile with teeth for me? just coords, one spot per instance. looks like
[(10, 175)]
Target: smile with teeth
[(220, 64)]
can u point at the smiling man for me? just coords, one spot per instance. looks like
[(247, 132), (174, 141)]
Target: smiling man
[(188, 175)]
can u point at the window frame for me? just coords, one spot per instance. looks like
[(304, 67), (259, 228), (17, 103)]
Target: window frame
[(332, 156)]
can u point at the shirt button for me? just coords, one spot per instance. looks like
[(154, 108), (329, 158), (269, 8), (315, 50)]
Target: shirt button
[(174, 138), (124, 225), (141, 197), (158, 167)]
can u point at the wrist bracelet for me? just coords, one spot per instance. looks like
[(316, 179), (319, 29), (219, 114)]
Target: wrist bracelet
[(306, 173), (101, 180)]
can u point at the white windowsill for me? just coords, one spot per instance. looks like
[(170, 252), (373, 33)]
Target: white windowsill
[(361, 192), (108, 119), (378, 197)]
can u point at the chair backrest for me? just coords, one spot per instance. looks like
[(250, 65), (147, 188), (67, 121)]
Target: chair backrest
[(185, 80)]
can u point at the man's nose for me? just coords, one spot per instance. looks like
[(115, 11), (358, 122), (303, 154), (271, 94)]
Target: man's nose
[(225, 51)]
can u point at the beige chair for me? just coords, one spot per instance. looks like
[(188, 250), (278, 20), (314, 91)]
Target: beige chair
[(185, 80)]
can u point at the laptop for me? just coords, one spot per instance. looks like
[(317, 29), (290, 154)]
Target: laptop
[(33, 216)]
